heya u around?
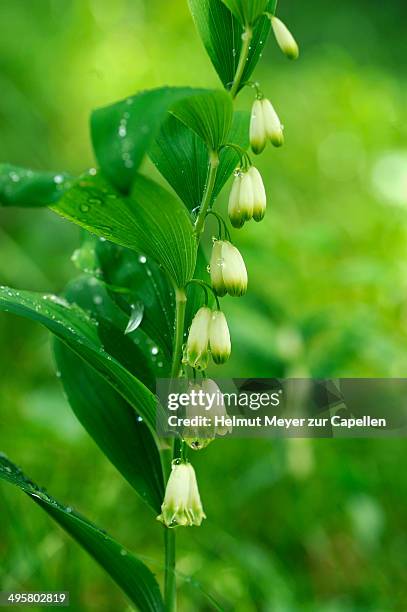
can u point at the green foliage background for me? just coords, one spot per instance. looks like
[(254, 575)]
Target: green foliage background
[(292, 525)]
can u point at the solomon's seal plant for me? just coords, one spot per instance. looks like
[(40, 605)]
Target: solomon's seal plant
[(144, 305)]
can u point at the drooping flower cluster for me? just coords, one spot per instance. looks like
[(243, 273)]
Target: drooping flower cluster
[(209, 333), (212, 405), (265, 126), (228, 270), (182, 503), (248, 198), (208, 336)]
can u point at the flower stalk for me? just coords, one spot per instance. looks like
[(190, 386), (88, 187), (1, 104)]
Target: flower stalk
[(206, 200), (180, 306)]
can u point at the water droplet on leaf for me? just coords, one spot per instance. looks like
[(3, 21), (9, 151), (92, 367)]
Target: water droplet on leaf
[(136, 317)]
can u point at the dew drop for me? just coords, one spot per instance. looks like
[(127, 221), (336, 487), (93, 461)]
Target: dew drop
[(142, 259), (136, 317), (195, 212)]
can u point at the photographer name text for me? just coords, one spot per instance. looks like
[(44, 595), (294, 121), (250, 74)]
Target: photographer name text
[(276, 422)]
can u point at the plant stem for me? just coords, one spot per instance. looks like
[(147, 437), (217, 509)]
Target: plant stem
[(244, 54), (180, 305), (170, 593), (206, 200), (170, 580)]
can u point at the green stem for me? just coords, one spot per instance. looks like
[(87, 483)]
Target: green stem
[(170, 587), (180, 305), (170, 592), (244, 54), (206, 200)]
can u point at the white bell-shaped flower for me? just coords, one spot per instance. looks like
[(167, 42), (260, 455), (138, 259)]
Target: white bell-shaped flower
[(234, 212), (197, 353), (258, 136), (212, 407), (218, 408), (259, 193), (182, 504), (285, 39), (272, 124), (219, 338), (241, 200), (228, 270)]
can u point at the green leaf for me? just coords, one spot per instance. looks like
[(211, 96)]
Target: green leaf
[(221, 34), (122, 133), (134, 353), (133, 280), (113, 424), (229, 159), (22, 187), (73, 326), (183, 159), (131, 575), (209, 115), (246, 11), (149, 221)]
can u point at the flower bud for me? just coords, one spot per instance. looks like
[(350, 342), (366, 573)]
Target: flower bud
[(241, 200), (258, 136), (285, 39), (228, 271), (219, 338), (195, 434), (260, 198), (235, 216), (218, 407), (182, 503), (210, 405), (198, 339), (273, 127)]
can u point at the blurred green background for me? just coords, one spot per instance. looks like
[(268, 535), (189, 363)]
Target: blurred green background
[(292, 525)]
